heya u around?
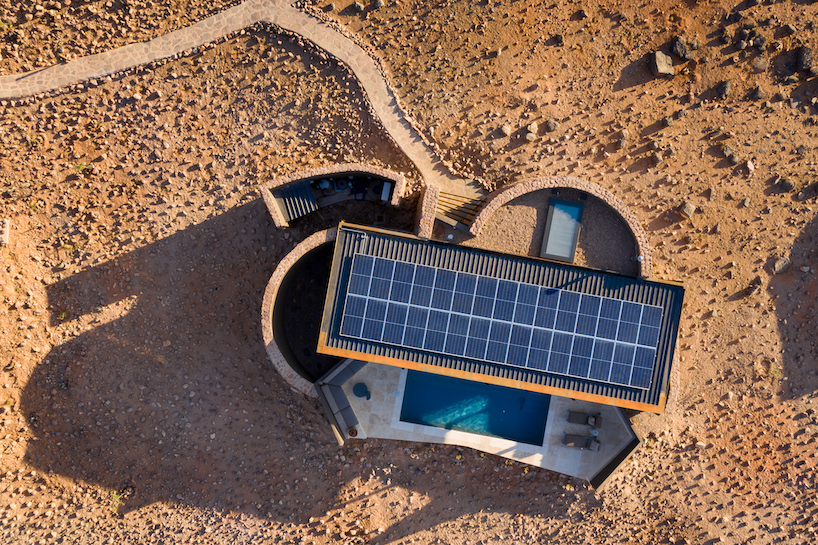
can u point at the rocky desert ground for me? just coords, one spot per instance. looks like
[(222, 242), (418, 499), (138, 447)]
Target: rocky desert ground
[(137, 402)]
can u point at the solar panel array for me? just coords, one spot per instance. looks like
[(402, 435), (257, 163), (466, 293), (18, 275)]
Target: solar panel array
[(501, 321)]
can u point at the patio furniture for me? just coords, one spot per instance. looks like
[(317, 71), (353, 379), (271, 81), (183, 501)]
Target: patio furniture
[(581, 442), (360, 390), (586, 419)]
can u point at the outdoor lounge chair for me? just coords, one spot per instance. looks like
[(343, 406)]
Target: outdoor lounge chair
[(585, 419), (580, 442)]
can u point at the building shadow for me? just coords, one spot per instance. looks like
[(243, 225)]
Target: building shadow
[(795, 293), (166, 391)]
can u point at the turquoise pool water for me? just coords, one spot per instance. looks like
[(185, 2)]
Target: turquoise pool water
[(474, 407)]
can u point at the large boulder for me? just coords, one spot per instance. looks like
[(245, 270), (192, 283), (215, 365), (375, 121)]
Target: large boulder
[(661, 64)]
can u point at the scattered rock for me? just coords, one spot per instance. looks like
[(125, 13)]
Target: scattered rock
[(681, 49), (788, 30), (730, 154), (533, 127), (758, 93), (559, 39), (754, 286), (804, 63), (667, 122), (530, 137), (781, 264), (358, 6), (687, 210), (784, 184), (661, 64), (724, 88), (726, 37), (657, 158), (552, 125), (379, 3), (761, 64), (506, 130), (5, 228)]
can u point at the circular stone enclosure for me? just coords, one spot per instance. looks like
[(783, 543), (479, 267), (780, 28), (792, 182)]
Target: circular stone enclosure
[(292, 308), (518, 227), (511, 192)]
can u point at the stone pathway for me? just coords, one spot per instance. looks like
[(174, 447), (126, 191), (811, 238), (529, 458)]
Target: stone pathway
[(283, 15)]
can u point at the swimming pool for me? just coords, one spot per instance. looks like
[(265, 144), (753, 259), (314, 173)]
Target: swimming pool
[(474, 407)]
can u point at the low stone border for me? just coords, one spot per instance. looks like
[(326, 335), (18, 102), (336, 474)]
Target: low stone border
[(333, 170), (296, 381), (426, 211), (511, 192)]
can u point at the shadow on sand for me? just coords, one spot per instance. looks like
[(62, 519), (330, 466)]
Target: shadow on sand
[(165, 391), (796, 304)]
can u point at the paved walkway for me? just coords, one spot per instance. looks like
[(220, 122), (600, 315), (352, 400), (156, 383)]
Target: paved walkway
[(277, 12)]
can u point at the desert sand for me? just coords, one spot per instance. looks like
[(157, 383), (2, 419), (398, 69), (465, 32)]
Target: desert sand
[(133, 369)]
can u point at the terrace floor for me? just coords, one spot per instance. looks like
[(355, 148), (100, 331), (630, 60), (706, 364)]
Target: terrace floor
[(379, 418)]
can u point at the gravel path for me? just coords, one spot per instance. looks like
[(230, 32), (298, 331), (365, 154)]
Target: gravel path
[(382, 99)]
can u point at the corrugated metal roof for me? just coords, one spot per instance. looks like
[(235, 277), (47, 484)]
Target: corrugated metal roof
[(356, 239)]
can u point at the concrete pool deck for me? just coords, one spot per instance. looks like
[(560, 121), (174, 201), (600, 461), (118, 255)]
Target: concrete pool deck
[(379, 418)]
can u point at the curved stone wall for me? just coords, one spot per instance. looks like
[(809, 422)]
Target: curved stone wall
[(332, 170), (511, 192), (298, 383)]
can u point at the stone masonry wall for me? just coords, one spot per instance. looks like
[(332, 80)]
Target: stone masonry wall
[(278, 217), (426, 211), (511, 192), (296, 381)]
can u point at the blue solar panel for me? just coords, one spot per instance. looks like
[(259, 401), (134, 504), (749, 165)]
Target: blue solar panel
[(404, 272), (610, 309), (424, 276), (358, 284), (455, 344), (652, 316), (379, 288), (569, 301), (589, 305), (483, 306), (396, 314), (466, 283), (417, 317), (549, 298), (421, 296), (435, 341), (524, 314), (512, 323), (462, 302), (486, 287), (392, 333), (362, 264), (442, 299), (383, 268), (401, 292), (599, 370), (503, 310)]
